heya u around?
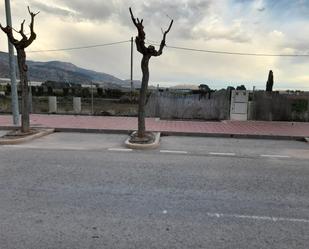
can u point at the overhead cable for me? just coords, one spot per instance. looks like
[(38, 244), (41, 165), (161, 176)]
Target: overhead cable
[(77, 48)]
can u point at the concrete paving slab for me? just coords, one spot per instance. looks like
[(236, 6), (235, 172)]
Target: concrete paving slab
[(125, 125)]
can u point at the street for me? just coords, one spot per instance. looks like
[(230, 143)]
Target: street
[(73, 190)]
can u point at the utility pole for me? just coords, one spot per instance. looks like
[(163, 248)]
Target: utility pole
[(30, 97), (131, 75), (14, 95), (92, 98)]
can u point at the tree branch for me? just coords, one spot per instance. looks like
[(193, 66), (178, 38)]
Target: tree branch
[(162, 45), (32, 19), (140, 38), (32, 33), (9, 32), (21, 31), (132, 17)]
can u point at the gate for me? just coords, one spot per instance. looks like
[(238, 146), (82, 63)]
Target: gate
[(239, 105)]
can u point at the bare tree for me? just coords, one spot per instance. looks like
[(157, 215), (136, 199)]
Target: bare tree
[(147, 53), (20, 46)]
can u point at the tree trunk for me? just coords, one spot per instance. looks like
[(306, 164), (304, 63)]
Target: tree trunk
[(142, 96), (21, 57)]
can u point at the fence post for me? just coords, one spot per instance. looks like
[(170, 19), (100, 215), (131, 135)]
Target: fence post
[(77, 105), (52, 104)]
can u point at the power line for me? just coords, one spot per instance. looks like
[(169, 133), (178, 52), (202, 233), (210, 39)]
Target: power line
[(232, 53), (77, 48), (176, 47), (235, 53)]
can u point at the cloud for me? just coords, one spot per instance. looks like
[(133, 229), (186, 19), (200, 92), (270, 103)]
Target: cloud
[(190, 12), (79, 9), (54, 10), (257, 26), (190, 16), (186, 14), (216, 30), (97, 10)]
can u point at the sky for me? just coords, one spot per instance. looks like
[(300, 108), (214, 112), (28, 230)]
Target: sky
[(244, 26)]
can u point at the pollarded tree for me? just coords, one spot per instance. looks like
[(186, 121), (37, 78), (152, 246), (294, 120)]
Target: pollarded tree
[(147, 53), (20, 46)]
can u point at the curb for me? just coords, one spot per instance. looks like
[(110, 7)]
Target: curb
[(189, 134), (153, 145), (26, 139), (173, 133), (231, 135), (100, 131)]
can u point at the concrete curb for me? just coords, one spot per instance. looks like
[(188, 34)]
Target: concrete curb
[(231, 135), (41, 133), (102, 131), (189, 134), (173, 133), (153, 145)]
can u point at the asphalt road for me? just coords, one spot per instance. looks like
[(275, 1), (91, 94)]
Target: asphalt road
[(87, 191)]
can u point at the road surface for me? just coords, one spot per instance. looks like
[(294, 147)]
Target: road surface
[(87, 191)]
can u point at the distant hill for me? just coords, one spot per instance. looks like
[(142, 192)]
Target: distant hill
[(63, 71), (136, 83), (185, 86)]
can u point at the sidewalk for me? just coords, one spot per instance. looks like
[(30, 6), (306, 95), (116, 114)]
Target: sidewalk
[(253, 129)]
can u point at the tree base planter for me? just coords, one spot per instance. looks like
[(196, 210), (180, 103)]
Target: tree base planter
[(17, 137), (150, 141)]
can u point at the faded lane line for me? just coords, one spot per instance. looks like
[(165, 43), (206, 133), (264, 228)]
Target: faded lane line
[(255, 217), (174, 151), (221, 154), (42, 148), (119, 149), (276, 156)]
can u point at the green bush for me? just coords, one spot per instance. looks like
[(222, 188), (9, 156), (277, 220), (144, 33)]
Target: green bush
[(113, 93), (86, 92)]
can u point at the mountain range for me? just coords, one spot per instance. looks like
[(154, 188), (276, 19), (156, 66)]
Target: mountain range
[(64, 71)]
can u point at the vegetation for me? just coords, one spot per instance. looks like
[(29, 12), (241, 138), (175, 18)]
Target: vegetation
[(204, 88), (147, 53), (270, 82), (20, 46), (241, 87)]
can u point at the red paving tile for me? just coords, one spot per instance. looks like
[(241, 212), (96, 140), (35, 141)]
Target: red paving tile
[(295, 129)]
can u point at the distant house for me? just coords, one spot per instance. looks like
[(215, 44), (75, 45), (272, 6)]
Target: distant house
[(57, 84), (35, 83)]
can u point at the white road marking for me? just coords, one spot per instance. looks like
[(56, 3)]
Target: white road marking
[(221, 154), (174, 151), (43, 148), (276, 156), (119, 149), (254, 217), (164, 212)]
